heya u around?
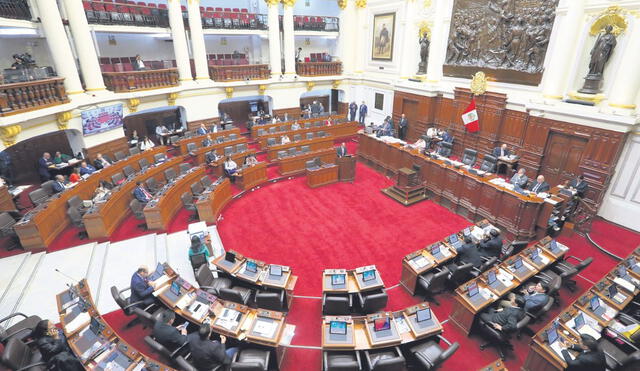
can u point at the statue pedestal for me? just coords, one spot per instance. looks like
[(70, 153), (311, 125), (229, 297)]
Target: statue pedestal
[(422, 68), (591, 99), (592, 84)]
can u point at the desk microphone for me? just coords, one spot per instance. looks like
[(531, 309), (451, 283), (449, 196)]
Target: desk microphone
[(69, 277)]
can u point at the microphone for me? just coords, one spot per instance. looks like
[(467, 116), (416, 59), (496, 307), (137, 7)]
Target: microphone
[(69, 277)]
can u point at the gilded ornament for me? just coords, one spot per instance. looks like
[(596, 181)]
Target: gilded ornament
[(171, 99), (479, 83), (613, 16), (427, 3), (9, 134), (310, 85), (289, 3), (272, 2), (261, 89), (229, 91), (63, 119), (133, 104), (361, 3), (335, 84), (424, 27), (342, 4)]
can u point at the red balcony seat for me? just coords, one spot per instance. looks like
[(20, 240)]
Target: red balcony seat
[(105, 60), (141, 3), (227, 9), (131, 2), (236, 10), (218, 9), (184, 8), (110, 8), (98, 7), (243, 10), (127, 66), (118, 67), (162, 6), (151, 5), (115, 60), (86, 5), (107, 1), (146, 11), (210, 9), (121, 1)]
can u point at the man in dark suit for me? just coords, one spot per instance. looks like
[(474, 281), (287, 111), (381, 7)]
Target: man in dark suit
[(141, 194), (342, 150), (501, 151), (141, 289), (493, 245), (579, 185), (540, 185), (101, 162), (469, 253), (590, 358), (86, 169), (211, 157), (402, 127), (353, 108), (519, 179), (504, 319), (43, 166), (532, 298), (363, 113), (164, 333), (58, 186), (207, 354), (202, 130)]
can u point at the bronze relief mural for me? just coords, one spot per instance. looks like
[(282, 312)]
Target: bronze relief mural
[(506, 39)]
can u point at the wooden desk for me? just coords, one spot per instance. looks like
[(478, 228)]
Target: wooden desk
[(347, 171), (238, 158), (201, 152), (182, 143), (6, 200), (265, 127), (323, 176), (497, 365), (341, 130), (314, 144), (250, 177), (164, 206), (297, 164), (211, 203)]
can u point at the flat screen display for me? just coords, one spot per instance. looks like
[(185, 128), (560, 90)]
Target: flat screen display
[(382, 324), (369, 275), (338, 327), (337, 279), (423, 315)]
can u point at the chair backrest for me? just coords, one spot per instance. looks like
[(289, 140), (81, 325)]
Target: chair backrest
[(305, 149), (157, 347), (204, 277), (309, 135), (120, 156), (74, 202), (228, 150), (292, 151), (438, 281), (583, 264), (242, 147), (136, 208), (311, 164), (16, 354), (269, 300), (297, 137), (462, 273), (375, 302), (335, 304), (143, 163), (191, 147), (271, 141), (197, 188), (7, 221), (187, 199), (445, 149), (128, 170), (48, 187), (282, 154), (233, 136), (38, 196), (488, 164), (170, 174), (184, 167), (205, 181), (389, 364), (230, 294), (198, 261), (159, 157), (151, 183), (184, 365), (134, 151), (469, 157), (117, 178), (74, 215)]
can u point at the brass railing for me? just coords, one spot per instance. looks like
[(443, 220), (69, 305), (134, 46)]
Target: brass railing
[(240, 72), (31, 95), (319, 68), (140, 80)]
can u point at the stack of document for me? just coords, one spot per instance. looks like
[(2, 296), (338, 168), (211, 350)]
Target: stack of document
[(198, 310), (80, 320), (265, 328), (625, 284), (228, 319), (419, 262)]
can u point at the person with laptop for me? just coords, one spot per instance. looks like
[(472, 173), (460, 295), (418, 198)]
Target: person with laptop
[(208, 354), (164, 333), (533, 297), (141, 288), (589, 358), (493, 245), (504, 319), (198, 247)]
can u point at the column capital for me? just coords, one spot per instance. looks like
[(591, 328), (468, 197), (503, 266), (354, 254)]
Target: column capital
[(271, 3), (197, 2), (289, 3), (9, 134), (361, 3), (343, 4)]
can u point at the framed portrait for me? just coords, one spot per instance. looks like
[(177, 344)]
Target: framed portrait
[(383, 34)]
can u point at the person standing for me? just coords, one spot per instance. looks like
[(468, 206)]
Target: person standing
[(353, 108), (43, 166), (402, 127), (363, 113), (342, 150)]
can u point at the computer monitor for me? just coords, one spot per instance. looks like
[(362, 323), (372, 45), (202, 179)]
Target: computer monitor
[(338, 279), (472, 289), (579, 321), (251, 267), (491, 277), (453, 238), (435, 249), (552, 335), (382, 324), (631, 262), (534, 254), (275, 270), (230, 256), (423, 315), (518, 263), (467, 231), (369, 275), (613, 290), (622, 271), (594, 303), (338, 327), (175, 288), (95, 326), (553, 245)]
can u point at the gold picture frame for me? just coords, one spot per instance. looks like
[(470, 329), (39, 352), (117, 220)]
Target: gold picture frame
[(383, 36)]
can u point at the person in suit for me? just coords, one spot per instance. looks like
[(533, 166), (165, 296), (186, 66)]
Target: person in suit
[(141, 194), (58, 186), (295, 125), (86, 168), (467, 253), (285, 139), (211, 157), (446, 137), (501, 151), (353, 108), (202, 130), (540, 185), (101, 162), (363, 113), (531, 299), (492, 246), (164, 333), (579, 185), (207, 141), (49, 340), (141, 288), (387, 127), (590, 358), (43, 166), (519, 179), (6, 170), (504, 319), (250, 161), (59, 158), (214, 128), (342, 150), (402, 127), (207, 354)]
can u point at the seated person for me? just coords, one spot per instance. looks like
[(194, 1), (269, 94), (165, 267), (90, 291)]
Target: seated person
[(138, 65), (208, 354), (59, 186), (342, 150), (532, 298), (504, 319), (198, 247), (141, 194), (295, 125), (590, 358), (284, 139), (146, 144), (86, 169), (75, 175), (134, 138), (539, 185), (250, 160), (420, 145), (492, 246), (211, 157), (141, 288), (49, 340), (214, 128), (467, 253), (579, 185), (519, 179), (387, 127), (59, 158), (101, 192), (202, 130), (162, 134), (501, 151), (207, 141), (164, 333), (230, 167), (329, 122), (446, 137), (101, 162)]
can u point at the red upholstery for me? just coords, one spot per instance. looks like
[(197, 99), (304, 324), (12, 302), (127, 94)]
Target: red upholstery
[(162, 6), (127, 66), (243, 10), (86, 5)]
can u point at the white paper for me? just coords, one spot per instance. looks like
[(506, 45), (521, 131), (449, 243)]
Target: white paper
[(80, 320), (265, 328)]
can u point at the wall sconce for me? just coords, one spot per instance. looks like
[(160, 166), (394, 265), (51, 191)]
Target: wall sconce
[(307, 41), (223, 41), (112, 40)]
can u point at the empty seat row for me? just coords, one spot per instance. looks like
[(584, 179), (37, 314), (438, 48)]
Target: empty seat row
[(294, 151)]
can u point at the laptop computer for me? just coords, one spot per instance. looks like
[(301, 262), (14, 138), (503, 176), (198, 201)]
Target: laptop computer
[(230, 257), (275, 270), (473, 291), (535, 255), (455, 241), (466, 232), (159, 272), (518, 264), (632, 263), (616, 295), (493, 281), (596, 307), (338, 280), (369, 275), (381, 324), (553, 247), (337, 328), (581, 326), (423, 315)]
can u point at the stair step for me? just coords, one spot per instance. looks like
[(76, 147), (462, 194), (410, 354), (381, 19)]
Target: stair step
[(19, 284)]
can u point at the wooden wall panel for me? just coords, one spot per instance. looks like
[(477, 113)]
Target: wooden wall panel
[(294, 112), (419, 111), (108, 148), (194, 125)]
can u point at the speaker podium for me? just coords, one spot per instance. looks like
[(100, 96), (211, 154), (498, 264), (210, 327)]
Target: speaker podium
[(408, 189), (347, 168)]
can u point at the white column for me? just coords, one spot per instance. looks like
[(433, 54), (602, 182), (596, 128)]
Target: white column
[(273, 20), (438, 45), (289, 39), (410, 44), (85, 47), (563, 53), (363, 53), (59, 46), (347, 37), (197, 40), (180, 49), (627, 82)]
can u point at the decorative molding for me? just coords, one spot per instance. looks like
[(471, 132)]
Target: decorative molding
[(310, 85), (289, 3), (427, 3), (424, 27), (342, 4), (335, 84), (171, 98), (63, 119), (229, 91), (613, 16), (133, 104), (272, 2), (261, 89), (9, 134), (479, 83), (361, 4)]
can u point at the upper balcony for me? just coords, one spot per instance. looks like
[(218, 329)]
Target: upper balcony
[(15, 9), (127, 13), (316, 23), (120, 76), (232, 19), (34, 90)]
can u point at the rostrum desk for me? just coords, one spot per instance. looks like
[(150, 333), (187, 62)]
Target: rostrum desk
[(314, 144), (522, 217), (249, 177), (265, 127), (297, 164), (340, 130), (326, 174), (210, 203), (40, 226)]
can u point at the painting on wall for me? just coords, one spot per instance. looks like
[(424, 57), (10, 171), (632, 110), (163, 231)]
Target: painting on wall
[(383, 34)]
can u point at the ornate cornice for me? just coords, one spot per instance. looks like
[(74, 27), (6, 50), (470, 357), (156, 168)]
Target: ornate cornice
[(272, 2), (133, 104), (229, 92), (361, 3), (261, 89), (342, 4), (171, 98), (613, 16), (63, 119), (9, 134), (310, 85), (289, 3)]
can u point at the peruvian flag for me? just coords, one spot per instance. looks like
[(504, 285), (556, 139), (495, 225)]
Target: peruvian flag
[(470, 117)]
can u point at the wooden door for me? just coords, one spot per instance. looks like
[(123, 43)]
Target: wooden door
[(562, 157), (410, 110)]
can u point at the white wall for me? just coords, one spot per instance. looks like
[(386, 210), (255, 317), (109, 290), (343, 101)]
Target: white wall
[(128, 45), (317, 44), (252, 45), (37, 47)]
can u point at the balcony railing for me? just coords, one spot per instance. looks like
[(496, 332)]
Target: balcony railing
[(18, 9), (314, 23), (121, 82), (27, 96), (151, 15), (234, 20), (319, 68), (240, 72)]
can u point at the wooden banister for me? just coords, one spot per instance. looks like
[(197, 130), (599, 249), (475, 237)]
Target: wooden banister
[(240, 72), (319, 68), (27, 96), (140, 80)]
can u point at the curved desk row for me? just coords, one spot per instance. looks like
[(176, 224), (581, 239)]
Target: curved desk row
[(339, 130), (249, 177), (40, 226), (266, 127), (314, 144), (92, 340), (473, 196), (200, 152), (182, 143), (297, 164), (213, 200)]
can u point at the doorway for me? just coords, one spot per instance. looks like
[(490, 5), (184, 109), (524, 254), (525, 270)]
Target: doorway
[(562, 157)]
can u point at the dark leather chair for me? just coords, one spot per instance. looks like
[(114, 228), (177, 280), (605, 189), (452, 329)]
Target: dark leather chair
[(208, 282), (251, 360), (237, 294), (48, 187), (489, 164), (498, 338), (341, 361), (19, 330), (144, 164), (197, 189), (433, 283), (386, 359), (372, 301), (170, 174), (6, 230), (134, 151), (445, 149), (127, 306), (119, 156), (184, 365), (128, 171), (38, 196), (191, 149), (567, 270), (554, 283), (623, 354), (511, 248), (198, 260), (205, 181), (153, 186), (538, 313), (486, 264), (137, 209), (336, 304), (156, 347), (431, 355), (460, 275), (159, 157), (184, 167), (187, 202), (117, 178), (18, 356), (271, 300), (76, 221), (469, 156)]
